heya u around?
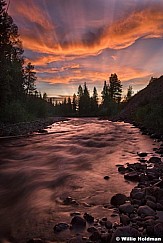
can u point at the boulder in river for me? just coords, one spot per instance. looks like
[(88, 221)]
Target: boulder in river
[(96, 236), (146, 211), (122, 169), (142, 154), (126, 208), (106, 177), (60, 227), (154, 159), (89, 218), (132, 176), (118, 199), (124, 219), (78, 222)]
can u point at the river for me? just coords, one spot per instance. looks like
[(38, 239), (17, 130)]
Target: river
[(38, 172)]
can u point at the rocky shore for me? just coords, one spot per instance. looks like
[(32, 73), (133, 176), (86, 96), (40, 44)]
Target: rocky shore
[(140, 214), (27, 128)]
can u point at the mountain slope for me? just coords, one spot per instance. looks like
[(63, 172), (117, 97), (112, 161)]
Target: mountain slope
[(146, 107)]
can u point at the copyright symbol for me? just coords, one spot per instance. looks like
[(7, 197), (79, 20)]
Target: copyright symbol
[(117, 239)]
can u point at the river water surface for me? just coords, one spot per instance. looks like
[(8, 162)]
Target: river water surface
[(37, 173)]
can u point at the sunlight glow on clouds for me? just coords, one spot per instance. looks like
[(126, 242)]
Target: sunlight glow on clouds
[(74, 41)]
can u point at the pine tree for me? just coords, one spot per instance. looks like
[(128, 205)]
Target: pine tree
[(129, 93), (11, 60), (69, 106), (105, 95), (45, 96), (80, 99), (94, 102), (29, 79), (115, 88), (74, 104)]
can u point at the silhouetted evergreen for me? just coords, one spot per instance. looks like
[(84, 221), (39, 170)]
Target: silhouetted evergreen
[(115, 88), (19, 99), (94, 103), (105, 100), (11, 60), (129, 93), (74, 104), (29, 79)]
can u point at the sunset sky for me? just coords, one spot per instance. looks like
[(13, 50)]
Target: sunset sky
[(75, 41)]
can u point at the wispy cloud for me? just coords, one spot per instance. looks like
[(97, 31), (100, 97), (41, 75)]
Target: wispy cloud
[(72, 41)]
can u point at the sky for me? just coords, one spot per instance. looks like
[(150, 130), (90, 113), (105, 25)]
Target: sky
[(75, 41)]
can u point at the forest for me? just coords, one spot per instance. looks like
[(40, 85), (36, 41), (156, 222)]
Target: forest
[(108, 104)]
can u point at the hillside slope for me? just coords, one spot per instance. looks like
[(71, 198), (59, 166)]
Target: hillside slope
[(146, 107)]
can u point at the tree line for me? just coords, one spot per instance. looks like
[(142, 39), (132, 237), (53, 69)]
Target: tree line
[(19, 98), (83, 104)]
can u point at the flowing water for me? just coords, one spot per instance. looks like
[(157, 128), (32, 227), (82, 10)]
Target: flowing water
[(37, 173)]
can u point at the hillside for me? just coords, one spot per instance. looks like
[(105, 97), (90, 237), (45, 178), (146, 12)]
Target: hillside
[(146, 107)]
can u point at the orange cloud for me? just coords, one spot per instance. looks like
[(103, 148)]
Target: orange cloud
[(120, 34), (74, 75)]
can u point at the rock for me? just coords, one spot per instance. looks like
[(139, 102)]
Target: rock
[(126, 208), (146, 211), (118, 199), (158, 230), (89, 218), (159, 207), (150, 198), (102, 222), (150, 230), (106, 177), (75, 240), (42, 131), (92, 229), (151, 204), (159, 184), (136, 202), (35, 240), (108, 224), (132, 176), (67, 200), (134, 191), (78, 222), (127, 231), (142, 154), (160, 151), (60, 227), (142, 160), (154, 160), (124, 219), (159, 194), (149, 222), (122, 170), (70, 201), (138, 195), (105, 238), (104, 219), (75, 214), (95, 236)]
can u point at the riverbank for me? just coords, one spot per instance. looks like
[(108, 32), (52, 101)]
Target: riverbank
[(140, 214), (27, 128)]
